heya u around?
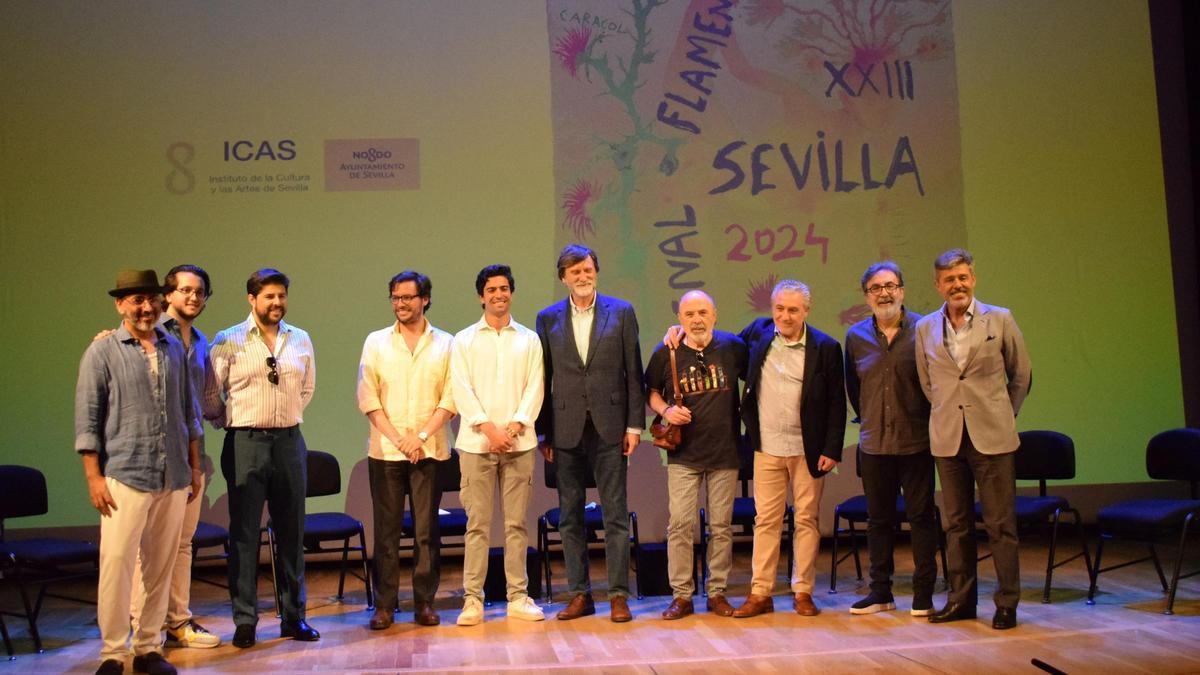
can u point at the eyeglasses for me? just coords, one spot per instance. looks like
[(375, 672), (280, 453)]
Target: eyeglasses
[(889, 287), (139, 300), (273, 375), (402, 298), (190, 292)]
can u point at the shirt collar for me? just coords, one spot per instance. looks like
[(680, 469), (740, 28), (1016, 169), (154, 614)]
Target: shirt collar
[(252, 325), (799, 342), (576, 311), (970, 310), (482, 324)]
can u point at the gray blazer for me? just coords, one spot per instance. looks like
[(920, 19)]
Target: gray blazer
[(609, 385), (986, 395)]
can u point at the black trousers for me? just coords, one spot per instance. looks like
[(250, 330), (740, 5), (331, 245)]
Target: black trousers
[(271, 466), (390, 483), (883, 477), (996, 477)]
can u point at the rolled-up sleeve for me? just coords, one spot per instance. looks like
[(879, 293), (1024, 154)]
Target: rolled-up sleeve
[(91, 401)]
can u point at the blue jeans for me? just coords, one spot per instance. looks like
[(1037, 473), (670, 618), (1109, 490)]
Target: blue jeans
[(573, 468)]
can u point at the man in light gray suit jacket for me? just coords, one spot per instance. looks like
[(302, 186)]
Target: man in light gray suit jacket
[(973, 366), (592, 418)]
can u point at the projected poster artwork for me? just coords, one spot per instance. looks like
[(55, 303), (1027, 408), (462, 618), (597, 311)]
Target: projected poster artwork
[(723, 146)]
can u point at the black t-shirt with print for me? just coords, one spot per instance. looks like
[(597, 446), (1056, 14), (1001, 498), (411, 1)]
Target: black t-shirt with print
[(709, 386)]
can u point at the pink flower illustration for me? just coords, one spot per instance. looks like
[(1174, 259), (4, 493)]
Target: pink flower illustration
[(571, 46), (759, 294), (575, 202)]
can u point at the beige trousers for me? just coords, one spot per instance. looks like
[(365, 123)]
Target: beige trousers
[(481, 473), (772, 477), (178, 603), (148, 522)]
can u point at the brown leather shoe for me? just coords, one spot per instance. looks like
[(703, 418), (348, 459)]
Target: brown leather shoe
[(424, 615), (580, 605), (717, 604), (619, 609), (755, 605), (680, 607), (804, 605), (381, 619)]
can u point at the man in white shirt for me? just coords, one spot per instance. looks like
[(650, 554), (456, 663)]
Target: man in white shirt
[(404, 390), (265, 373), (497, 371)]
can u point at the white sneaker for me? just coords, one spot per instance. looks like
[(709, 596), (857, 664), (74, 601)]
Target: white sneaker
[(192, 634), (525, 609), (472, 613)]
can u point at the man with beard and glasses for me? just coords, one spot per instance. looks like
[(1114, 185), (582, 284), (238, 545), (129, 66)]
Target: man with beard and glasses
[(975, 371), (709, 364), (591, 421), (404, 390), (138, 432), (885, 392), (496, 368), (265, 373)]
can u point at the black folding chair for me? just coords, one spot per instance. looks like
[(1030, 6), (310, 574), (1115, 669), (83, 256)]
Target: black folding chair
[(325, 478), (1042, 456), (1171, 455), (39, 561)]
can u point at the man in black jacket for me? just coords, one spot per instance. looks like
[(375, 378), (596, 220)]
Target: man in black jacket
[(794, 409)]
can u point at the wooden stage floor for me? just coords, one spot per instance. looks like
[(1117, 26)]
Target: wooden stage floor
[(1124, 632)]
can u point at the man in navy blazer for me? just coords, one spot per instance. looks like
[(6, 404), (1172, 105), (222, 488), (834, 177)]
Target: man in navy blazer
[(592, 418), (973, 366), (794, 409)]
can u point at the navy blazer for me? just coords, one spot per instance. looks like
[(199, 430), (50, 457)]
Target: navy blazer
[(822, 398), (609, 385)]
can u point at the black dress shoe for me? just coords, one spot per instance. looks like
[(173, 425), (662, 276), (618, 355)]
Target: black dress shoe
[(243, 636), (299, 631), (1004, 618), (111, 667), (952, 612), (153, 664)]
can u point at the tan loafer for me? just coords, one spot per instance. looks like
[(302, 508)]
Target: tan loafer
[(755, 605), (680, 607), (580, 605), (804, 605), (619, 609), (424, 615), (381, 619), (717, 604)]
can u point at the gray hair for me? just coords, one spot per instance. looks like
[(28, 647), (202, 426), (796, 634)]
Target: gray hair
[(793, 286), (953, 258), (878, 267)]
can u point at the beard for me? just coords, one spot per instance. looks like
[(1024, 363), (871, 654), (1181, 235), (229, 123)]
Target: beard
[(887, 312)]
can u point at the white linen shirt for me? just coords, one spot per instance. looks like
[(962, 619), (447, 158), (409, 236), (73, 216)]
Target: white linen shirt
[(498, 377), (243, 397), (779, 392), (408, 386)]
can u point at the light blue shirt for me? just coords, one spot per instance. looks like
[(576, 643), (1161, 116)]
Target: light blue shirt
[(139, 421)]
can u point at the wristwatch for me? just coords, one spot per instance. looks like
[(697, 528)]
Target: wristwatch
[(423, 436)]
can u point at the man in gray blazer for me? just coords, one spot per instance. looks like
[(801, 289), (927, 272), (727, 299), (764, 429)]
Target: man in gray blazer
[(592, 418), (973, 366)]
